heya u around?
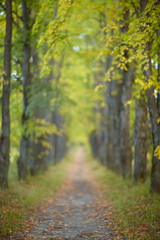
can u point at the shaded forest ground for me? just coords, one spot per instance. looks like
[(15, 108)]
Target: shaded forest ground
[(133, 210)]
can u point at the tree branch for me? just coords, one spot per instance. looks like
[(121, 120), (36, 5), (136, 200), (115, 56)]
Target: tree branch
[(136, 10), (16, 24), (20, 17)]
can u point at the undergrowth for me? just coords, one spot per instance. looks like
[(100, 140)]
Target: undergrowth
[(22, 198), (135, 210)]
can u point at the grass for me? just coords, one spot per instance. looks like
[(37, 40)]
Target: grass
[(22, 198), (135, 211)]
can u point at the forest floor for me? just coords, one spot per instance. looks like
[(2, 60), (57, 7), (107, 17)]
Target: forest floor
[(78, 211)]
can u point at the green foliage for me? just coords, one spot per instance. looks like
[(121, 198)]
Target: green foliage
[(72, 40), (72, 55)]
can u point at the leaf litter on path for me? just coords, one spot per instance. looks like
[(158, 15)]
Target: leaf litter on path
[(77, 212)]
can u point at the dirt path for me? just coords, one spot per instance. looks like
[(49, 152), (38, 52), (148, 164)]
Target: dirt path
[(78, 211)]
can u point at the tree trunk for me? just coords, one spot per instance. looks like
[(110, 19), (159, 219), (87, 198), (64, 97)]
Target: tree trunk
[(125, 146), (141, 142), (101, 141), (57, 150), (154, 116), (60, 140), (127, 77), (94, 144), (5, 135), (115, 129), (153, 104), (24, 145), (158, 77), (155, 172), (107, 114), (46, 149), (36, 148)]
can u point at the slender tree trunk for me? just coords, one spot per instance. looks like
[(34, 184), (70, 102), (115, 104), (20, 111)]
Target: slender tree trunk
[(34, 163), (103, 135), (50, 138), (56, 140), (112, 114), (158, 77), (107, 113), (153, 104), (154, 116), (155, 111), (5, 135), (141, 133), (126, 153), (47, 117), (94, 143), (24, 145), (35, 145), (141, 142), (60, 144), (115, 109), (101, 140)]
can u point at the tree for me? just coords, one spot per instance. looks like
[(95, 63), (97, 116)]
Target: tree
[(141, 140), (24, 146), (5, 135), (153, 102), (127, 80)]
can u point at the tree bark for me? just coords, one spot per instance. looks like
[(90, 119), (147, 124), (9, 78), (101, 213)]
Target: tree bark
[(154, 116), (36, 149), (59, 140), (125, 146), (24, 145), (115, 129), (153, 104), (5, 135), (107, 114), (127, 79), (94, 144), (158, 77), (141, 142)]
